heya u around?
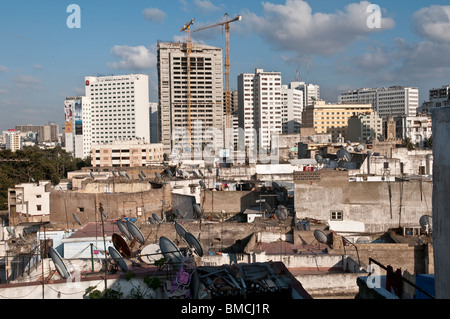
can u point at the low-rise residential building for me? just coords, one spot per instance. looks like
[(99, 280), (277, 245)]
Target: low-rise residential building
[(126, 153), (29, 202)]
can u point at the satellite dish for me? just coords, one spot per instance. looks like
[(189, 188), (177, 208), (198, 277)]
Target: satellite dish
[(181, 231), (170, 252), (114, 173), (124, 229), (185, 175), (194, 244), (122, 173), (169, 172), (320, 236), (276, 186), (199, 210), (59, 263), (126, 175), (117, 257), (210, 169), (179, 213), (121, 245), (143, 174), (103, 213), (283, 212), (76, 219), (350, 149), (267, 207), (158, 175), (195, 174), (343, 154), (179, 172), (200, 173), (150, 253), (319, 159), (360, 148), (141, 177), (426, 222), (135, 232), (150, 220), (157, 219), (11, 231), (21, 237), (202, 184)]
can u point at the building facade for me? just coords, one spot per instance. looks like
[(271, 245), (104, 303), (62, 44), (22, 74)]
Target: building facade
[(12, 140), (45, 133), (131, 153), (332, 118), (291, 109), (365, 126), (204, 95), (311, 92), (113, 108), (260, 107), (419, 129), (394, 100), (437, 98)]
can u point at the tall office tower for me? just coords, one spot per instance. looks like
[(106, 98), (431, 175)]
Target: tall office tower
[(202, 90), (259, 97), (119, 107), (394, 100), (77, 126), (154, 123), (311, 92), (291, 109)]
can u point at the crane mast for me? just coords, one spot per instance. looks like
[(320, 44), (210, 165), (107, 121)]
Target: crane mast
[(187, 28), (227, 66)]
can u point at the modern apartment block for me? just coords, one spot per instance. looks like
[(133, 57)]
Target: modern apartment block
[(260, 106), (113, 108), (291, 109), (205, 89), (311, 92), (394, 100), (12, 140), (126, 153), (332, 118)]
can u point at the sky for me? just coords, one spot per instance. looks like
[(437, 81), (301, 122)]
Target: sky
[(47, 47)]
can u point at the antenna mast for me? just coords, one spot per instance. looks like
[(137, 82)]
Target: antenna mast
[(187, 28)]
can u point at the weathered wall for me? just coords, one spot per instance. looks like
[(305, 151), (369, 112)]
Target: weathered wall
[(230, 201), (380, 205), (441, 201), (139, 205)]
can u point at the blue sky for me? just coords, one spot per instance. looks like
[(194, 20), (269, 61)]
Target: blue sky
[(326, 42)]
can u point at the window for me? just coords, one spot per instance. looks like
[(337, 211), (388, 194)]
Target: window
[(337, 215), (38, 208), (80, 209)]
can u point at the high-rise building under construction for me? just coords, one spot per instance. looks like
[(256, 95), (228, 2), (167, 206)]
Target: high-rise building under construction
[(190, 92)]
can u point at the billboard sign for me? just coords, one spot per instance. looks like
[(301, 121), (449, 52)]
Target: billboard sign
[(68, 116), (78, 118)]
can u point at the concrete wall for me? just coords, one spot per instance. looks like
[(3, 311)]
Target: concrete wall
[(380, 205), (139, 205), (441, 201), (230, 201)]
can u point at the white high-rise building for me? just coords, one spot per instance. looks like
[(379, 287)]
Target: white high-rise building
[(394, 100), (291, 109), (205, 96), (259, 96), (114, 108), (12, 140), (311, 92)]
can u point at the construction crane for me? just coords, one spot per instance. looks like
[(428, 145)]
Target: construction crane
[(187, 28), (227, 64)]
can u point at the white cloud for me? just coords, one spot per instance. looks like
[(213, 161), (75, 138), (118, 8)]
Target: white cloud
[(205, 6), (26, 81), (3, 91), (154, 15), (133, 58), (294, 27), (3, 69), (433, 23)]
